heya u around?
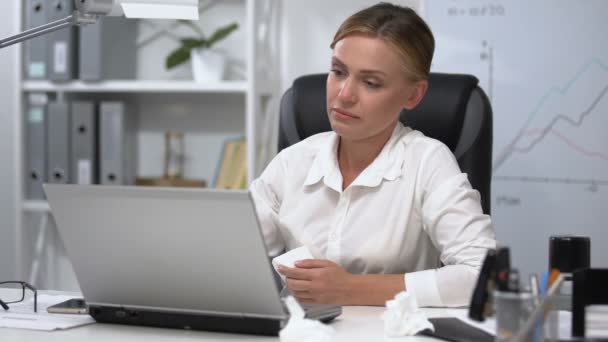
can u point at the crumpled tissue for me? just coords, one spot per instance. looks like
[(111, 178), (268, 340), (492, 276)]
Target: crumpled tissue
[(300, 329), (289, 259), (403, 317)]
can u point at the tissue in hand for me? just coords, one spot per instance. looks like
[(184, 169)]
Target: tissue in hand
[(289, 259), (403, 317), (300, 329)]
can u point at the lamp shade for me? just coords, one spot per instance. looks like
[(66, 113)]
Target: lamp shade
[(160, 9)]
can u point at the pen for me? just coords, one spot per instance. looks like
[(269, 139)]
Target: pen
[(544, 281), (538, 332), (553, 276), (534, 288), (539, 311)]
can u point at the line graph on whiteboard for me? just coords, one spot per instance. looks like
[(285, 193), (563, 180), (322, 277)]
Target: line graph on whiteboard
[(542, 124), (548, 85), (549, 104)]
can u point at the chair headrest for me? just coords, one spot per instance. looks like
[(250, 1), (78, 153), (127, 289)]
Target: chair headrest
[(310, 104), (439, 115), (441, 112)]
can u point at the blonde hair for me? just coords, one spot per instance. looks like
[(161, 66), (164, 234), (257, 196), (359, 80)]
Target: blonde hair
[(401, 28)]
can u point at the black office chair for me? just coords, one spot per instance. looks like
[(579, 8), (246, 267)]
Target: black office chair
[(588, 287), (455, 110)]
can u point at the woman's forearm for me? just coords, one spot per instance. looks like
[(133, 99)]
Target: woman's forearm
[(374, 289)]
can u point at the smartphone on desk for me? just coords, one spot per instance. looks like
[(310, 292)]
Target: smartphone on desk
[(70, 306)]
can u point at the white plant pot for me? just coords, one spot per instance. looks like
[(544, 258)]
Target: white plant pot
[(207, 65)]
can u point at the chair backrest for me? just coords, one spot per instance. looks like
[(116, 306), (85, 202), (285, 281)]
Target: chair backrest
[(455, 111), (589, 286)]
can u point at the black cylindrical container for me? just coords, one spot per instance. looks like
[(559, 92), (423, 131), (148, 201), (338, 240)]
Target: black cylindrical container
[(568, 253)]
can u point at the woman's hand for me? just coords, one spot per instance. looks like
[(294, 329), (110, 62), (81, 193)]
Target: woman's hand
[(319, 281)]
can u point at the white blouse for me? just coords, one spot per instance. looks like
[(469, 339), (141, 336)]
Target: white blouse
[(409, 211)]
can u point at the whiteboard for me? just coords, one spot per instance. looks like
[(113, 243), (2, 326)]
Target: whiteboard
[(544, 65)]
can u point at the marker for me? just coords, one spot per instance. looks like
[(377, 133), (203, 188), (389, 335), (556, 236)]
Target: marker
[(553, 276), (544, 283)]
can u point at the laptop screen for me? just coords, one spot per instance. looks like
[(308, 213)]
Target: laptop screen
[(186, 250)]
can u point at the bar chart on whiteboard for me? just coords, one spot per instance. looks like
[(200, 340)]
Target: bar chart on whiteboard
[(544, 66)]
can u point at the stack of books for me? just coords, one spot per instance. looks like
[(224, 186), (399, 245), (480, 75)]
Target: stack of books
[(232, 171)]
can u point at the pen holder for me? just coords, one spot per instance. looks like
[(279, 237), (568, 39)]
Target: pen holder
[(512, 310)]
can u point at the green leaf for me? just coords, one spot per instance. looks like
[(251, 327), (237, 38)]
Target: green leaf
[(182, 54), (177, 57), (221, 33), (192, 43)]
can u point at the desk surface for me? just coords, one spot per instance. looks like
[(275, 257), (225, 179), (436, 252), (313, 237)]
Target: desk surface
[(357, 323)]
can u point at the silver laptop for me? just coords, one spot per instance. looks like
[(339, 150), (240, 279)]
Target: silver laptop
[(178, 258)]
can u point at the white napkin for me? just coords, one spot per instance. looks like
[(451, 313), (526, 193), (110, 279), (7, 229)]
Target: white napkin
[(289, 259), (403, 317), (300, 329)]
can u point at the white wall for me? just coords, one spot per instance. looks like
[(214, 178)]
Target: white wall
[(207, 120), (8, 108), (307, 30)]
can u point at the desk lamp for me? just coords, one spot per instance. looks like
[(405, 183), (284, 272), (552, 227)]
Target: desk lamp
[(89, 11)]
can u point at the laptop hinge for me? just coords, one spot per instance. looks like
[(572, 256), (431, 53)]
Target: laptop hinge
[(192, 312)]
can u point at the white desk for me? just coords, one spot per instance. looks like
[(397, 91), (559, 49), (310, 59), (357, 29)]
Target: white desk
[(357, 323)]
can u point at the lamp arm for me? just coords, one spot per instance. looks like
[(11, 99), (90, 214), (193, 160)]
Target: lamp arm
[(76, 18), (89, 11)]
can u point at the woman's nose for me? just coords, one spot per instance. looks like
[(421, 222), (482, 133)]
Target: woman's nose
[(347, 91)]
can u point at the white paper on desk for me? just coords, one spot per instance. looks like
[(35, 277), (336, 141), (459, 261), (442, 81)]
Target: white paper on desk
[(289, 259), (22, 316)]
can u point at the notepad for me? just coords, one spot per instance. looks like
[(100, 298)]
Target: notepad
[(596, 321), (454, 329)]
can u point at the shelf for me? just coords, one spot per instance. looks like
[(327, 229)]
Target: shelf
[(137, 87), (36, 206)]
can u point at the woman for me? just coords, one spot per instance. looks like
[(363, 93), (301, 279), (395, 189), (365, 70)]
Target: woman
[(379, 205)]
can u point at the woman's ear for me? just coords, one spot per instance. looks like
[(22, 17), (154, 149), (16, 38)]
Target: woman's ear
[(416, 93)]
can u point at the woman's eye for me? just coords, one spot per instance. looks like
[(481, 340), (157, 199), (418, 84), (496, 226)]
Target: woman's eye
[(372, 85), (337, 72)]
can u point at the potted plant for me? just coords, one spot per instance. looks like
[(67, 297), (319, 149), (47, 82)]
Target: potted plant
[(207, 64)]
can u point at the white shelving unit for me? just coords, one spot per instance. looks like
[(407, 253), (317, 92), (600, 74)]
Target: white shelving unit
[(255, 92), (35, 206)]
